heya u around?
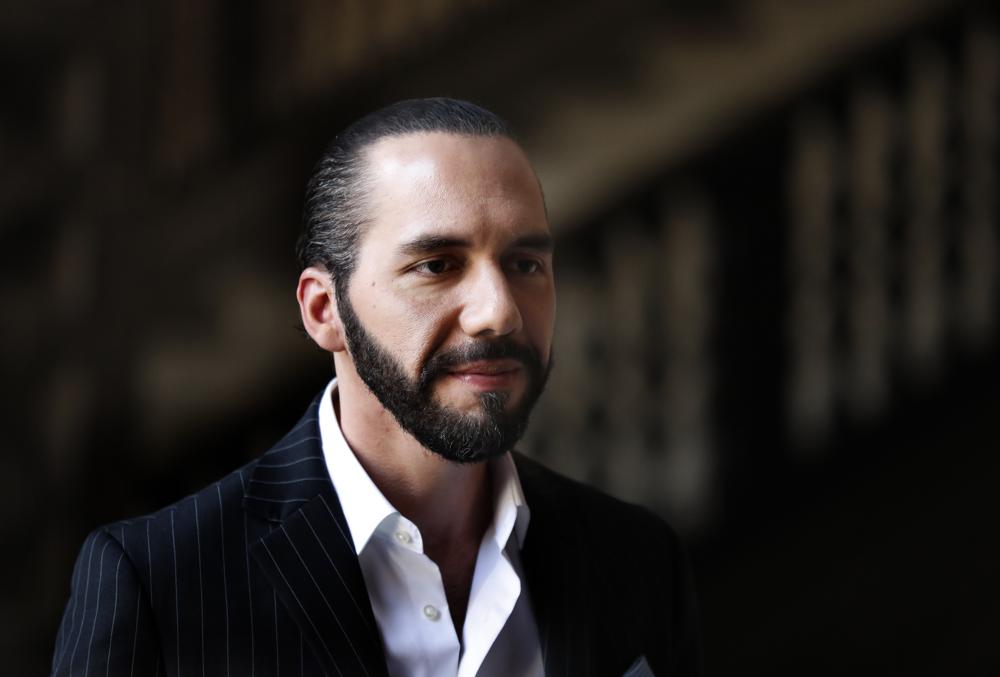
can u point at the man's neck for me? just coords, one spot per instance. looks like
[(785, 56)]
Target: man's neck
[(450, 503)]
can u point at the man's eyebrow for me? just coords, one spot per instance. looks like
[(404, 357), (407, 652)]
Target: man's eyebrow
[(542, 242), (428, 244), (431, 243)]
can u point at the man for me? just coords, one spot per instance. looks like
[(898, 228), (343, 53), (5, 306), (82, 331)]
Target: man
[(392, 531)]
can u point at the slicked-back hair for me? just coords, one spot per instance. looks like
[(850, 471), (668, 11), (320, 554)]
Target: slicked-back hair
[(335, 212)]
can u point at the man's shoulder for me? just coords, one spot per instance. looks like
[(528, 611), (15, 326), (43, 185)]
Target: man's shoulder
[(211, 508), (590, 507), (626, 562), (219, 506)]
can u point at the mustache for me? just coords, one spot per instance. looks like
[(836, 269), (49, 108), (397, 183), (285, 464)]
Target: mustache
[(442, 362)]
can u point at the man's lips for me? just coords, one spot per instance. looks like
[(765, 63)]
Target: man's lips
[(487, 367), (487, 373)]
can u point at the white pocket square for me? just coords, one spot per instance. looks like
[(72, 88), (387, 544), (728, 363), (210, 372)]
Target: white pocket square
[(639, 669)]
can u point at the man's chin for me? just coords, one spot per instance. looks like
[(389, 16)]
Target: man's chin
[(482, 405)]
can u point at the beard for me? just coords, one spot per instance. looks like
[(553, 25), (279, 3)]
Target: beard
[(452, 434)]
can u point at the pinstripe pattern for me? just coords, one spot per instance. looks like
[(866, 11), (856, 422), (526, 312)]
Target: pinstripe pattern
[(177, 593), (225, 584), (257, 575), (246, 546), (97, 608), (599, 608)]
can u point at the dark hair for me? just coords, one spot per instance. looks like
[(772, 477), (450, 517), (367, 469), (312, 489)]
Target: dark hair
[(334, 212)]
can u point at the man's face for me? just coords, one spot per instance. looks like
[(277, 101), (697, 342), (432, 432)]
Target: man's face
[(450, 310)]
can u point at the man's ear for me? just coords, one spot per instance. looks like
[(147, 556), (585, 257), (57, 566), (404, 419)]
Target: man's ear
[(318, 306)]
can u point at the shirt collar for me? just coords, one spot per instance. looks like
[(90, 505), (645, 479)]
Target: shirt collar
[(510, 509), (366, 507)]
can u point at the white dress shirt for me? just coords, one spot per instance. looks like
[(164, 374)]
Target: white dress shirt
[(500, 636)]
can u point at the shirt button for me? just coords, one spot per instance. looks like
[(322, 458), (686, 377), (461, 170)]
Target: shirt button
[(431, 613), (403, 537)]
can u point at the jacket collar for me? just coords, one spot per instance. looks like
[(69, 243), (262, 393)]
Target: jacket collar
[(556, 568), (310, 559), (308, 555), (291, 473)]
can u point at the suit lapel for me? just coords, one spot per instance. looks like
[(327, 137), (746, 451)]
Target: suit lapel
[(555, 564), (309, 557)]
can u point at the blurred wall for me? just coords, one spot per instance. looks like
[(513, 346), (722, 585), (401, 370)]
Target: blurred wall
[(777, 244)]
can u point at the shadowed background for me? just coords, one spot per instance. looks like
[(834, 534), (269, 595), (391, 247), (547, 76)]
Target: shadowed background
[(777, 252)]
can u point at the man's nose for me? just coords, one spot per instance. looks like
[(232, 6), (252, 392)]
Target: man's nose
[(490, 307)]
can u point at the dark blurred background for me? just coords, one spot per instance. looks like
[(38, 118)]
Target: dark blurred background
[(777, 250)]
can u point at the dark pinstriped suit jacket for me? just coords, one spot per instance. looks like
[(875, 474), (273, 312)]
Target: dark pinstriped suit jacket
[(257, 575)]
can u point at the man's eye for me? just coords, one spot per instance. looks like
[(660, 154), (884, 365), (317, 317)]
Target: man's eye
[(527, 266), (434, 267)]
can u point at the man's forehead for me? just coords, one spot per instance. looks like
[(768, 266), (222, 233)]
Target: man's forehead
[(437, 182), (442, 156)]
